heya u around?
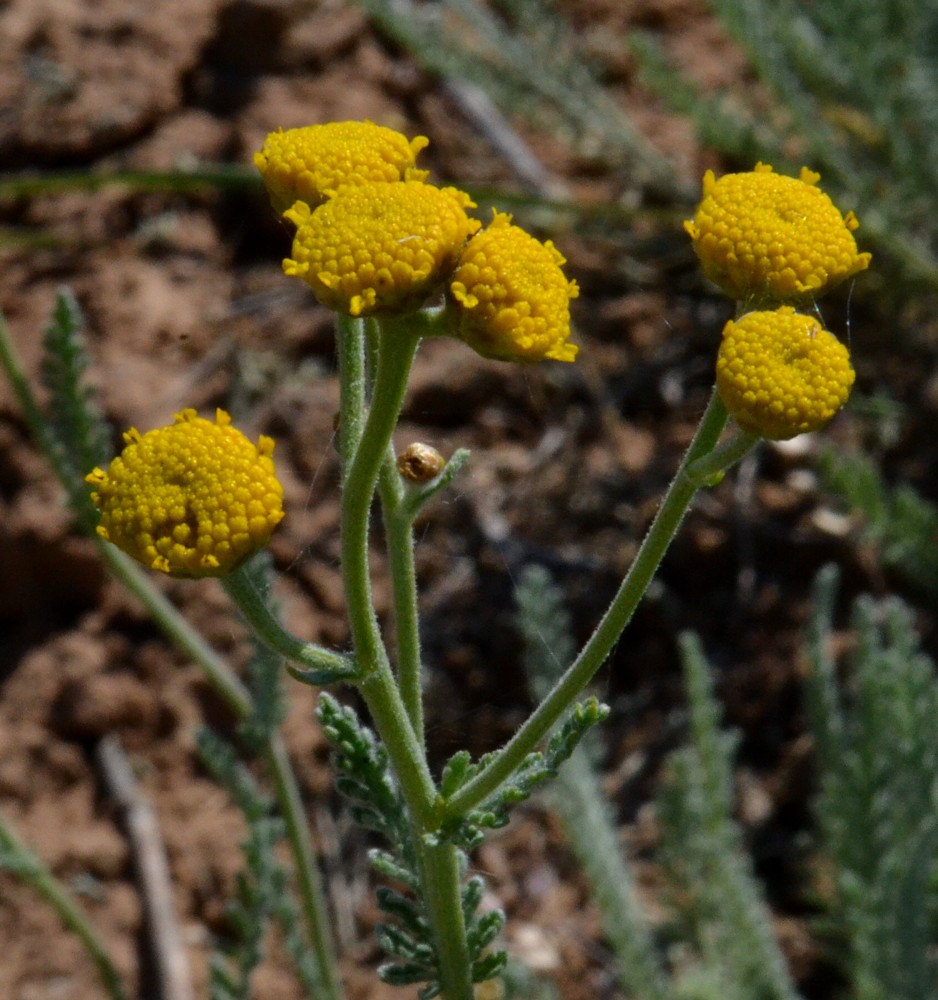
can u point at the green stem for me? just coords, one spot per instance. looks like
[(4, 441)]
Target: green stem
[(395, 343), (361, 476), (238, 699), (350, 336), (396, 346), (271, 632), (593, 654), (439, 875), (24, 863), (400, 507), (391, 721), (398, 529), (307, 872), (703, 471)]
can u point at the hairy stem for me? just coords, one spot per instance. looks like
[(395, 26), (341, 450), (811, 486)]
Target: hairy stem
[(350, 337), (439, 872), (398, 529), (237, 697), (361, 466), (272, 633), (593, 654), (395, 343)]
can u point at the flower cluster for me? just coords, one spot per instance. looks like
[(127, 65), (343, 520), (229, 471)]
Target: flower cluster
[(192, 499), (774, 243), (374, 238)]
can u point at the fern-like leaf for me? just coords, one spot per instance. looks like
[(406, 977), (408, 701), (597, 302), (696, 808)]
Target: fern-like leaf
[(262, 884), (75, 425), (704, 850), (877, 745)]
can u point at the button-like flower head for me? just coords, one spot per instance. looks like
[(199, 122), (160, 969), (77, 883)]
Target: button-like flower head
[(767, 239), (192, 499), (380, 247), (513, 298), (310, 164), (781, 373)]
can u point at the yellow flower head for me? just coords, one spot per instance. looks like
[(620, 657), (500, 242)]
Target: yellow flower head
[(766, 238), (379, 247), (781, 373), (513, 299), (192, 499), (310, 164)]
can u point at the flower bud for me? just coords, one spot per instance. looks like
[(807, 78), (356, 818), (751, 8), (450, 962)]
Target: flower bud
[(420, 463), (780, 373)]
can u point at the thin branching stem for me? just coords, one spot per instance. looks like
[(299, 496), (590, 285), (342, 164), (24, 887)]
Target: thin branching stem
[(270, 630), (360, 479), (395, 343), (593, 654), (237, 697), (398, 528)]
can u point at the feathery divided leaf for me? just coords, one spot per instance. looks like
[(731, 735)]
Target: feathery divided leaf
[(704, 851), (877, 745), (265, 674), (260, 887), (365, 779), (75, 427), (536, 769)]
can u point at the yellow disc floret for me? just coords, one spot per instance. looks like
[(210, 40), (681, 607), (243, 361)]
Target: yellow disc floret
[(780, 373), (192, 499), (513, 298), (767, 239), (310, 164), (379, 247)]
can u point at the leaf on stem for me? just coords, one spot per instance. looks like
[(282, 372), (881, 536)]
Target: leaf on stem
[(75, 426), (537, 768), (364, 778)]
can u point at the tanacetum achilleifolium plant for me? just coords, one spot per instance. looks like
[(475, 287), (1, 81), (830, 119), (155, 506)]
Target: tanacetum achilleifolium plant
[(398, 260)]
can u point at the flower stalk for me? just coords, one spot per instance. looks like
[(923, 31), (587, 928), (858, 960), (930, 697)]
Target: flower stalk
[(289, 800), (398, 528), (226, 685), (395, 705), (593, 654)]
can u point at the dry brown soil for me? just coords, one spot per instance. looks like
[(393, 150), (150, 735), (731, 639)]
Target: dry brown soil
[(186, 305)]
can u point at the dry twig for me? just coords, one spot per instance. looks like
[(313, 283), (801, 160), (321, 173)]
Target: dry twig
[(174, 980)]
